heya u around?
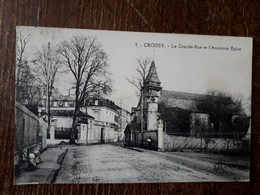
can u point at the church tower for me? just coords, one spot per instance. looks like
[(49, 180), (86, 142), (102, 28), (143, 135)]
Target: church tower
[(152, 88)]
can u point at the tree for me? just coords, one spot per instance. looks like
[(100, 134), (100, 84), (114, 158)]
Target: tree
[(202, 130), (27, 88), (176, 120), (21, 60), (46, 66), (142, 71), (28, 91), (221, 107), (86, 60)]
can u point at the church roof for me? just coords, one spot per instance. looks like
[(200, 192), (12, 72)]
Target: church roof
[(152, 74), (165, 94), (183, 100), (133, 127)]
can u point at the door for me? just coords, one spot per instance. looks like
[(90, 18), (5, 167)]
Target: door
[(102, 136)]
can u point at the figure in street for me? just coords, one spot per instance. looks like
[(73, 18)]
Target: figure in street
[(149, 141)]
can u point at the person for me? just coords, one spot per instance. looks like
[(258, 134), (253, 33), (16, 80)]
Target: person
[(32, 161), (149, 140)]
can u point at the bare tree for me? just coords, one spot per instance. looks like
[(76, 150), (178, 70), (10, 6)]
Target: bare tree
[(21, 61), (47, 65), (85, 59), (138, 81), (27, 89), (142, 71)]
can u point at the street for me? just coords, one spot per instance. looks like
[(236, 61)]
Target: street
[(113, 164)]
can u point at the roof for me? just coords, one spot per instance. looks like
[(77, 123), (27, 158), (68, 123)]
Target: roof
[(165, 94), (70, 113), (133, 109), (58, 96), (152, 74), (183, 100), (133, 127), (101, 102)]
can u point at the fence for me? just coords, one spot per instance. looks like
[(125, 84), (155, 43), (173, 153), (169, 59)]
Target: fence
[(63, 133)]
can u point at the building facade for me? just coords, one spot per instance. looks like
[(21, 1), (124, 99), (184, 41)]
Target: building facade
[(109, 117), (99, 121)]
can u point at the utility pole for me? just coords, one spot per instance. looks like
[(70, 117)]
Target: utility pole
[(121, 120), (48, 91), (142, 118)]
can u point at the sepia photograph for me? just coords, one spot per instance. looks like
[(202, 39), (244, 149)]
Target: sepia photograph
[(97, 106)]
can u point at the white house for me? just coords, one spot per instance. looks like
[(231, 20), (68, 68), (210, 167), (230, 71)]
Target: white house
[(99, 121)]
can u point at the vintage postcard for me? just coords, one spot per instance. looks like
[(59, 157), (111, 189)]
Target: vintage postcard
[(127, 107)]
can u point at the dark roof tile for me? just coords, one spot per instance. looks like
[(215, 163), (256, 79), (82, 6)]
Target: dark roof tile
[(69, 113), (152, 74), (183, 100)]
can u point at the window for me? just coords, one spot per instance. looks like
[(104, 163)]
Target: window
[(90, 135), (115, 118), (66, 104), (71, 104), (96, 102), (90, 124), (96, 114), (60, 104), (55, 104)]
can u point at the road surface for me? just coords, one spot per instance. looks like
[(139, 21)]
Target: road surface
[(113, 164)]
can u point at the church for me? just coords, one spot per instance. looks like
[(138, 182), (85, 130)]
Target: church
[(162, 111), (148, 113)]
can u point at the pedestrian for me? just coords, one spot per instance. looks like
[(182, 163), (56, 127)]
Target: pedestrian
[(32, 161), (149, 140)]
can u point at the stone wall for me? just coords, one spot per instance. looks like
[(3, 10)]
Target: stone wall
[(43, 132), (28, 134), (88, 136), (171, 142)]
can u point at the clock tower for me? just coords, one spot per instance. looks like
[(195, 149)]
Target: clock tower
[(152, 88)]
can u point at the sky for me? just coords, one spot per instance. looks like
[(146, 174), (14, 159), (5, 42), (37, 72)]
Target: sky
[(187, 63)]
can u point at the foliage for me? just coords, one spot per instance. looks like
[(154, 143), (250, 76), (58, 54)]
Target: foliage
[(221, 107), (202, 130), (177, 120), (240, 126)]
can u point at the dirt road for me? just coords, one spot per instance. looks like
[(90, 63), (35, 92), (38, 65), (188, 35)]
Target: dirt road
[(112, 164)]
